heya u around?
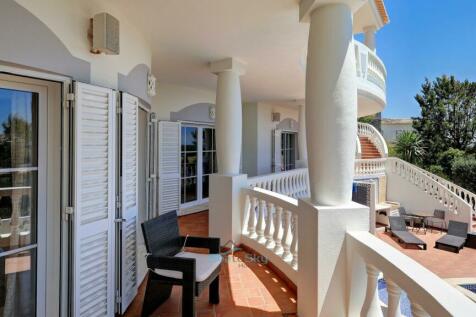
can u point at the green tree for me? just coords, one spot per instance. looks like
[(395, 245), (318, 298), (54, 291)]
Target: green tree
[(409, 147), (448, 116)]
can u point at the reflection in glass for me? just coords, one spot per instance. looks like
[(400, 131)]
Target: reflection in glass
[(18, 126), (18, 284), (208, 136), (205, 186), (17, 209), (189, 139)]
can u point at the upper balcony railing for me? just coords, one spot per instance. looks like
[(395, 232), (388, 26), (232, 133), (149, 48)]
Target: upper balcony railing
[(371, 76)]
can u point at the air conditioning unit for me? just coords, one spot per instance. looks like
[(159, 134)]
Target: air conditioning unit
[(105, 34)]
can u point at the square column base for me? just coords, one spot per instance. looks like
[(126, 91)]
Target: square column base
[(225, 204), (322, 277)]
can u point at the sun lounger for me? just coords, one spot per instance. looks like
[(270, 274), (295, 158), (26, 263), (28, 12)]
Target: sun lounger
[(398, 228), (456, 237)]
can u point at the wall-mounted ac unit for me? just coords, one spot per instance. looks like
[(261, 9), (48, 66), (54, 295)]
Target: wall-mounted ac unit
[(105, 33)]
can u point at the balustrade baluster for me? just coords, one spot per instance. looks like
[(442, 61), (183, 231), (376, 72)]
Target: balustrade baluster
[(371, 305), (394, 292), (285, 242), (261, 224), (294, 242), (252, 218), (246, 214), (268, 231), (278, 230)]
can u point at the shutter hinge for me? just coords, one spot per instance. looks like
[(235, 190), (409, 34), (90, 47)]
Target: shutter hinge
[(118, 297), (118, 110), (68, 212), (70, 96), (118, 202)]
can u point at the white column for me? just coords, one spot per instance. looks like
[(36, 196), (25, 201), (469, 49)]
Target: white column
[(228, 120), (369, 39), (331, 104), (302, 162)]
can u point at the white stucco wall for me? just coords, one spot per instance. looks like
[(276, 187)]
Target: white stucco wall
[(69, 21), (257, 135), (172, 98), (389, 131)]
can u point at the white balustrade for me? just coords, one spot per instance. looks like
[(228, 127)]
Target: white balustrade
[(369, 68), (370, 132), (365, 167), (441, 190), (293, 183), (429, 295), (464, 194), (270, 227)]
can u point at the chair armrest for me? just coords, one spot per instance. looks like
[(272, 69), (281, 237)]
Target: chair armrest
[(184, 265), (212, 244)]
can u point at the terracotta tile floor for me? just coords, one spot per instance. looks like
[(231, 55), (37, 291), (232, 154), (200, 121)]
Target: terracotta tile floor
[(443, 263), (247, 289)]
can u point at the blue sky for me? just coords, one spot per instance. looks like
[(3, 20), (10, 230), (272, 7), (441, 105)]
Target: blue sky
[(425, 38)]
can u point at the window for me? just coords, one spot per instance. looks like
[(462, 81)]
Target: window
[(198, 161), (288, 150)]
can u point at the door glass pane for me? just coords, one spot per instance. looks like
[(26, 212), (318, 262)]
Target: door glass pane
[(207, 163), (18, 201), (18, 137), (190, 189), (18, 284), (189, 164), (205, 185)]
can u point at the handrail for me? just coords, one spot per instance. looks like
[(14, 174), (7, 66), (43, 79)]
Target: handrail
[(358, 148), (427, 292), (431, 186), (370, 132), (465, 194), (293, 183), (270, 227)]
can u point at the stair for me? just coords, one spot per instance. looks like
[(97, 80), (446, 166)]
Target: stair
[(369, 151)]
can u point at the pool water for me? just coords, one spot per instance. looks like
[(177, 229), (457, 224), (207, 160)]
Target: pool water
[(469, 287), (404, 301)]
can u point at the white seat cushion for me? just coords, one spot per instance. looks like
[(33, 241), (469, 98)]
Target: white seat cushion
[(205, 264)]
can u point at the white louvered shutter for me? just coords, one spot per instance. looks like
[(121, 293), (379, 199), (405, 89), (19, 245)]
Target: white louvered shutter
[(94, 131), (169, 166), (276, 166), (130, 123)]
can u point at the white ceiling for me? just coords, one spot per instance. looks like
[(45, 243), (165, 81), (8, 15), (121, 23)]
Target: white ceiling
[(187, 34)]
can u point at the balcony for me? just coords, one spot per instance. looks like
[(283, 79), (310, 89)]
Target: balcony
[(371, 80)]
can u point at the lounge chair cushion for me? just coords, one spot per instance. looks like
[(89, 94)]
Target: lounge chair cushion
[(453, 241), (205, 264), (408, 238)]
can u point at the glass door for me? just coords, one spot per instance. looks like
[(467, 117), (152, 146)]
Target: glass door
[(198, 161), (288, 150), (20, 202)]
